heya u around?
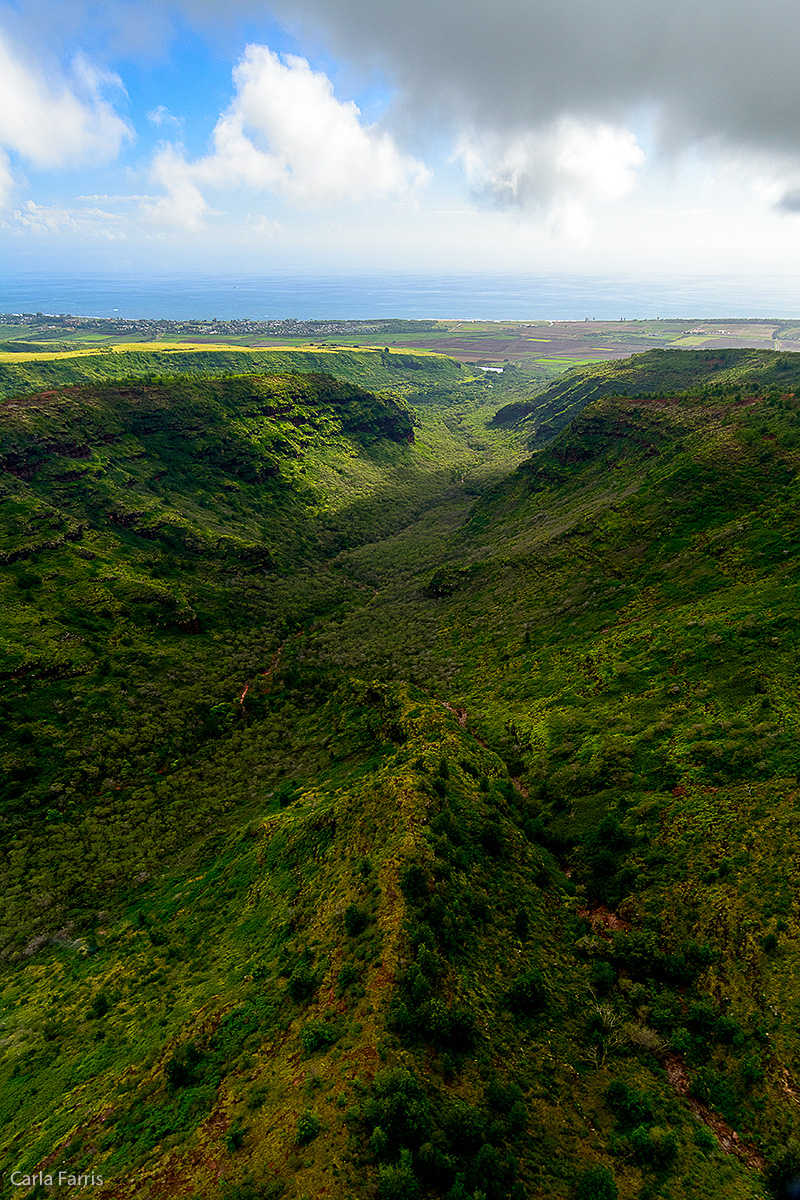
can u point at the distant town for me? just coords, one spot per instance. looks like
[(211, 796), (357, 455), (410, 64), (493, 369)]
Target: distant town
[(44, 324)]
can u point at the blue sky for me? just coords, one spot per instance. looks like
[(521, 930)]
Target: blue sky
[(532, 136)]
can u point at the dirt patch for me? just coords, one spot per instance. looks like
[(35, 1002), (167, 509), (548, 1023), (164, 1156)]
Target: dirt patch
[(785, 1084), (603, 920), (728, 1138)]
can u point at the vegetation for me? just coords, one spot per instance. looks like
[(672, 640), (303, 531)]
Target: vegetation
[(369, 368), (656, 374), (390, 813)]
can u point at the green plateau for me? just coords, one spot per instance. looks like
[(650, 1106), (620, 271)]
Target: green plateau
[(400, 771)]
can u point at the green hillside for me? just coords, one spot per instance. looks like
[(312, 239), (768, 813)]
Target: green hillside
[(655, 373), (369, 368), (389, 814)]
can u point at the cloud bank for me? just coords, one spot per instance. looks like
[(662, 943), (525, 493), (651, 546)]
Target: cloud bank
[(723, 70), (557, 111)]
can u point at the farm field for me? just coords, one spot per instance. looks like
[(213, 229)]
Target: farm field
[(545, 348)]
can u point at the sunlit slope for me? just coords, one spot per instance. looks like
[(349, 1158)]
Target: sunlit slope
[(249, 1015), (618, 620), (24, 371), (659, 372)]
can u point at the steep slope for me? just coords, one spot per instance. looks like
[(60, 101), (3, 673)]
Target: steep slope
[(466, 869), (161, 542), (618, 625), (657, 372)]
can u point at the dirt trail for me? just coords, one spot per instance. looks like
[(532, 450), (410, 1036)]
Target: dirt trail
[(273, 662)]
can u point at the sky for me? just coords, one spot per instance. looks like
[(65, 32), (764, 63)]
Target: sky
[(525, 136)]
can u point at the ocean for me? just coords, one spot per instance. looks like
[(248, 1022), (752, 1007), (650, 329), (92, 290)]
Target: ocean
[(358, 297)]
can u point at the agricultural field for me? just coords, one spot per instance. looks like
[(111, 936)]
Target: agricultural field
[(543, 347)]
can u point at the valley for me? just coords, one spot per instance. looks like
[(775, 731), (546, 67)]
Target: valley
[(401, 767)]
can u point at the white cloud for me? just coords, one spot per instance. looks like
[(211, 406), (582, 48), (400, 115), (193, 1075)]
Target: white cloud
[(183, 204), (51, 219), (285, 133), (6, 178), (50, 122), (562, 171), (263, 228), (162, 116), (115, 199)]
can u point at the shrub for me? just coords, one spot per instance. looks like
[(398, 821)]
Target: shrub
[(704, 1139), (465, 1127), (348, 975), (302, 984), (715, 1089), (378, 1142), (100, 1006), (654, 1146), (318, 1035), (398, 1181), (400, 1107), (413, 882), (453, 1027), (643, 1039), (287, 793), (181, 1069), (235, 1137), (527, 994), (489, 1167), (355, 920), (258, 1096), (702, 1019), (751, 1072), (308, 1126), (602, 976), (517, 1118), (628, 1106), (596, 1183), (491, 839)]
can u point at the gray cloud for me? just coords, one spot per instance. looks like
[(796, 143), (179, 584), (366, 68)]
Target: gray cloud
[(789, 201), (708, 69), (716, 70)]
